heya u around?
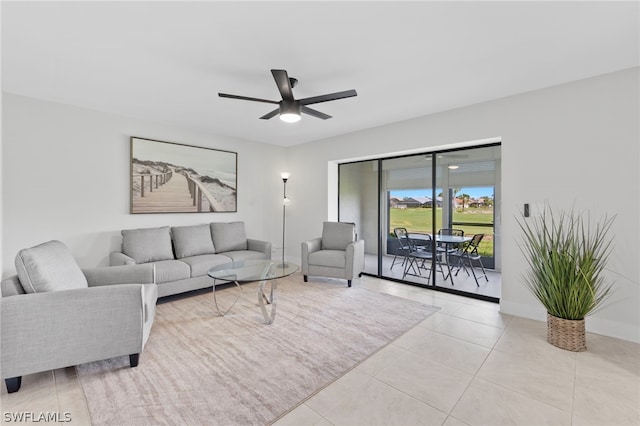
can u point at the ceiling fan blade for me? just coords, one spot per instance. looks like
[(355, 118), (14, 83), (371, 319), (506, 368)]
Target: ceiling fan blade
[(329, 97), (246, 98), (284, 84), (271, 114), (315, 113)]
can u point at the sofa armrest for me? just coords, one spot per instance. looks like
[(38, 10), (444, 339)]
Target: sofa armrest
[(45, 331), (355, 259), (307, 248), (124, 274), (116, 258), (261, 246), (11, 286)]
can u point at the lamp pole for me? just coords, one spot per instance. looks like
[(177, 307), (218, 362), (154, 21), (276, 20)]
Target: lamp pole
[(285, 201)]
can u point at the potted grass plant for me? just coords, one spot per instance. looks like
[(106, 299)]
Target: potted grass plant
[(567, 253)]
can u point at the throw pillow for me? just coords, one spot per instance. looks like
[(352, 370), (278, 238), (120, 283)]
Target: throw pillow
[(192, 240), (228, 236), (48, 267), (147, 244)]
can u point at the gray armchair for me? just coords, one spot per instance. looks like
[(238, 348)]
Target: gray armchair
[(55, 315), (337, 254)]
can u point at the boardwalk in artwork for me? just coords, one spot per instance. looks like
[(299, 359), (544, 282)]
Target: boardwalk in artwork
[(173, 196)]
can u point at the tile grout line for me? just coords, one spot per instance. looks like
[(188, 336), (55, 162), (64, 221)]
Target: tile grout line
[(573, 388), (475, 375), (518, 391)]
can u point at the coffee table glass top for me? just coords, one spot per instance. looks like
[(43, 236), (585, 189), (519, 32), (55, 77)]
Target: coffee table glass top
[(252, 270)]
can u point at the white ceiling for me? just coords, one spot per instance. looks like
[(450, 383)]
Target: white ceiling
[(166, 61)]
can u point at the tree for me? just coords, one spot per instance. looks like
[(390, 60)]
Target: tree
[(488, 201), (465, 199)]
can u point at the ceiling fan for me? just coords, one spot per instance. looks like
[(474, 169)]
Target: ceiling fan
[(290, 108)]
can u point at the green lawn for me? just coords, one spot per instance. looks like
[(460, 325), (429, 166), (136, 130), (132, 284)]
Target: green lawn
[(420, 220)]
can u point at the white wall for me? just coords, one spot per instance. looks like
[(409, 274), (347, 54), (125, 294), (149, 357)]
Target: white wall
[(573, 144), (65, 176)]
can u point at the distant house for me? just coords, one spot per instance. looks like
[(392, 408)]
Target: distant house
[(477, 202), (424, 201), (394, 203), (428, 202), (405, 203)]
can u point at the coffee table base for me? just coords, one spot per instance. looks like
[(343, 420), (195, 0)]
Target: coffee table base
[(263, 300), (215, 300)]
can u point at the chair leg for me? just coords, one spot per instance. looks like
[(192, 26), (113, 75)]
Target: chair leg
[(13, 384), (306, 279), (348, 283), (394, 261), (473, 271), (444, 277), (462, 264), (483, 271), (134, 359), (409, 265)]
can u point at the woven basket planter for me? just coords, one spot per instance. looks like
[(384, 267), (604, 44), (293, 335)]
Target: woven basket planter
[(566, 334)]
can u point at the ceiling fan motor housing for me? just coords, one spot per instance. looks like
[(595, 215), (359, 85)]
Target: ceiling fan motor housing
[(293, 107)]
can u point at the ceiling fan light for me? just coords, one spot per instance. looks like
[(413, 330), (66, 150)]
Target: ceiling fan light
[(290, 117), (290, 112)]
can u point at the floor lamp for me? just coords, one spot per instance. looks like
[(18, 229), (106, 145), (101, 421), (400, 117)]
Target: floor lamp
[(285, 201)]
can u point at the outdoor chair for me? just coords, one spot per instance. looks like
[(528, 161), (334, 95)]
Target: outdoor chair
[(402, 250), (467, 255), (450, 248), (417, 256)]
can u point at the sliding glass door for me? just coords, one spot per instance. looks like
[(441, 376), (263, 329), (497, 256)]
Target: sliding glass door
[(426, 196), (358, 203), (409, 197)]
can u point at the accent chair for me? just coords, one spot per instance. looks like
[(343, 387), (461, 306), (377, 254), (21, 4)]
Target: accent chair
[(337, 254), (55, 315)]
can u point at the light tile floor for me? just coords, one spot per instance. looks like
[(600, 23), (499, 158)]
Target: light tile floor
[(468, 364), (471, 365)]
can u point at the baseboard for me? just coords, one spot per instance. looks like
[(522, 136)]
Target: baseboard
[(593, 324)]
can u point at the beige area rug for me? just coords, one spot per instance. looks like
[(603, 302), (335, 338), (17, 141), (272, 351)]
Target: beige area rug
[(198, 368)]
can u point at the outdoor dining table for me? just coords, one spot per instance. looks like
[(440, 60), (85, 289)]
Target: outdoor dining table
[(447, 241)]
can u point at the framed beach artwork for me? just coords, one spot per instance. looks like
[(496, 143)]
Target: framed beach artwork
[(167, 177)]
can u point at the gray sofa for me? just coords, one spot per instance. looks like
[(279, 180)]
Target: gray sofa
[(184, 254), (55, 315)]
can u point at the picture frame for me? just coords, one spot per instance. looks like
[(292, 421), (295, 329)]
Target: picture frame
[(168, 177)]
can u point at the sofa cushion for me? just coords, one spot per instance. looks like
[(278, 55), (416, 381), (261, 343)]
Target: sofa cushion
[(192, 240), (147, 244), (228, 236), (200, 265), (171, 270), (330, 258), (241, 255), (48, 267), (337, 235)]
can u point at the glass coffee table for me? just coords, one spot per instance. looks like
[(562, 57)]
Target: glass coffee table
[(264, 271)]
